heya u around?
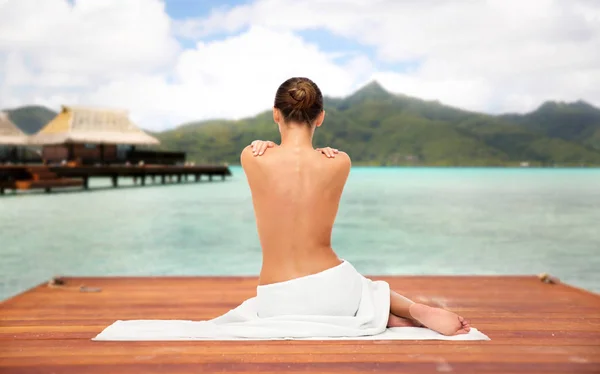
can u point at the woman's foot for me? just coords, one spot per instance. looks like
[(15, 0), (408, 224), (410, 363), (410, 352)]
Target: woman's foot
[(440, 320), (395, 321)]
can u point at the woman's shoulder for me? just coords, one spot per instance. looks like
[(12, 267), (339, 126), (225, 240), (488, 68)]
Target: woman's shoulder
[(343, 157), (338, 165), (340, 159)]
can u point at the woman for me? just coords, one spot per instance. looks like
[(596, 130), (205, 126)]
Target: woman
[(305, 290), (296, 193)]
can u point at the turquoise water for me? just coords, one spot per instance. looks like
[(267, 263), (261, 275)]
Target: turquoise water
[(391, 221)]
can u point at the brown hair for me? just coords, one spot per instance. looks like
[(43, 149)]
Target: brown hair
[(299, 100)]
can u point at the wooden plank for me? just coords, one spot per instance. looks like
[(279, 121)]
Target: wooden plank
[(534, 327), (48, 183)]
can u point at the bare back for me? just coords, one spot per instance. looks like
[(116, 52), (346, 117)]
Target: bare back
[(296, 194)]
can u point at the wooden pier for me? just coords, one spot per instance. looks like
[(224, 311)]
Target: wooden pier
[(33, 177), (535, 328), (22, 177)]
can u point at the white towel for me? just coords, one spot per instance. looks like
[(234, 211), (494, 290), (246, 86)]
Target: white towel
[(336, 304)]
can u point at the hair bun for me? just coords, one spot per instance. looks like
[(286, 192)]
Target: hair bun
[(299, 100), (304, 95)]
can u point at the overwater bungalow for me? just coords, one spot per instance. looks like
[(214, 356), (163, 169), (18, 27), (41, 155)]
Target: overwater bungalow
[(87, 136), (12, 141), (81, 143)]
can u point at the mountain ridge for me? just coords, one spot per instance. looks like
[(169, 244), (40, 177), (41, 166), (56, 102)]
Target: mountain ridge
[(377, 127)]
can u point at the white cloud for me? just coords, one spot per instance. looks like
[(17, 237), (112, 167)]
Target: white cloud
[(51, 49), (231, 78), (108, 54), (105, 38), (495, 55)]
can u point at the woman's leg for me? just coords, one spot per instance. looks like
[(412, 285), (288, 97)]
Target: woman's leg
[(399, 312), (400, 305), (440, 320), (395, 321)]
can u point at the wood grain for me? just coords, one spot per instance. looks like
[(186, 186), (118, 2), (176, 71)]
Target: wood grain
[(534, 327)]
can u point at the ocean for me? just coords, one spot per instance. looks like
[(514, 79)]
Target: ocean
[(391, 221)]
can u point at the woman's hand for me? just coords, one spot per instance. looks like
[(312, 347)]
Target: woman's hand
[(260, 146), (328, 151)]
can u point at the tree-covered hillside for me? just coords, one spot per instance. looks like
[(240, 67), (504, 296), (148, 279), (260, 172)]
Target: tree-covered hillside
[(380, 128)]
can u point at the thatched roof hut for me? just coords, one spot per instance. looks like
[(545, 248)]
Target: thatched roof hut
[(92, 126), (10, 134)]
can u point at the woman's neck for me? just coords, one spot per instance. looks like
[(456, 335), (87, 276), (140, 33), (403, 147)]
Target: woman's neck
[(297, 136)]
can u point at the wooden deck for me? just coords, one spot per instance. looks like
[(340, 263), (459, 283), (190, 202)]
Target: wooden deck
[(534, 327), (33, 177), (22, 177), (140, 171)]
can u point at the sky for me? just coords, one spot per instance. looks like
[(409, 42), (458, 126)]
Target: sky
[(174, 61)]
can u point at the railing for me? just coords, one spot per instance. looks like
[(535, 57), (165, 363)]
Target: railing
[(155, 157), (133, 157), (147, 157)]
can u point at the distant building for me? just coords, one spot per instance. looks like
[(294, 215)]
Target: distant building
[(525, 164), (84, 135), (12, 140)]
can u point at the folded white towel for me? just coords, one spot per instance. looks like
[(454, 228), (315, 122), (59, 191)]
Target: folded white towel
[(336, 304)]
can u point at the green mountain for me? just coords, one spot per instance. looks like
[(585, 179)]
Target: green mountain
[(380, 128), (577, 121), (31, 119)]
